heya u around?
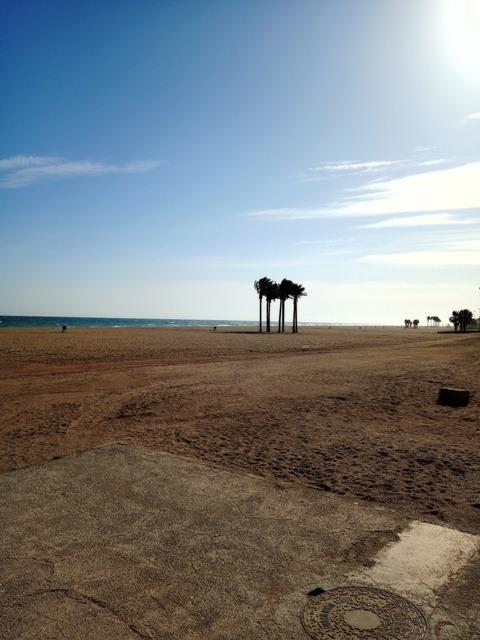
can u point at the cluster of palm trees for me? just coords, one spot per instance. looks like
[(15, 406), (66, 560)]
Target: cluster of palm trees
[(435, 320), (461, 319), (411, 323), (282, 291)]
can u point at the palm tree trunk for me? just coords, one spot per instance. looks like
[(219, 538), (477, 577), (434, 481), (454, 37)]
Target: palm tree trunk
[(279, 315), (293, 317), (260, 298), (283, 316), (296, 315), (268, 315)]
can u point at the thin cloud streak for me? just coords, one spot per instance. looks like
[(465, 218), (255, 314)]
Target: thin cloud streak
[(327, 241), (290, 213), (22, 171), (433, 219), (461, 253), (347, 165), (18, 162), (473, 116), (425, 258), (431, 163), (331, 169)]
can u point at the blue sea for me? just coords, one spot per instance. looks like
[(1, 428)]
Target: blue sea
[(57, 321)]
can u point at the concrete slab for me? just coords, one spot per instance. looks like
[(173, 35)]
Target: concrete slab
[(124, 543)]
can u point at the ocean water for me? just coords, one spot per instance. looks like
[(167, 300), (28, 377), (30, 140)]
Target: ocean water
[(58, 321)]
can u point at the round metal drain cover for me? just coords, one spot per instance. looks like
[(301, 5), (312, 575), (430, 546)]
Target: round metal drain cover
[(355, 613)]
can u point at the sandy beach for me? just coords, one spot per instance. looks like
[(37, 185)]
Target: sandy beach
[(346, 410)]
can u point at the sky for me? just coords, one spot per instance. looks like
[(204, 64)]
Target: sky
[(156, 157)]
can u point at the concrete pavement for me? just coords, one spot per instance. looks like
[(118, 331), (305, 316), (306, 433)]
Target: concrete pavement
[(123, 543)]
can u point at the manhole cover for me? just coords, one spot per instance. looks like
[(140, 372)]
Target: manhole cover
[(354, 613)]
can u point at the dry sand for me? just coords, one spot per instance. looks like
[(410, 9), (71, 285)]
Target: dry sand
[(347, 410)]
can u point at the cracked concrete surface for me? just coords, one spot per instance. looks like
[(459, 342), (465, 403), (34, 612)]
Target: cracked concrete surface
[(123, 543)]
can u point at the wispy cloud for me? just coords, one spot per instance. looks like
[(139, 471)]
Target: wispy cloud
[(325, 241), (373, 165), (431, 163), (20, 162), (287, 213), (340, 168), (453, 188), (473, 116), (429, 219), (463, 253), (329, 169), (22, 171)]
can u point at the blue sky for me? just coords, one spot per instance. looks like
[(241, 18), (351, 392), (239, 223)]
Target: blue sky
[(157, 157)]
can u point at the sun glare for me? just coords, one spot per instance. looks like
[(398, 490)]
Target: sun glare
[(461, 35)]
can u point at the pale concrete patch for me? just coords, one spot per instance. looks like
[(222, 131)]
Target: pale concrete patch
[(425, 558)]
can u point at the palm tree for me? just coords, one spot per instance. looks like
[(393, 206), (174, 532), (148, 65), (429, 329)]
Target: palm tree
[(272, 293), (416, 323), (428, 319), (466, 317), (408, 323), (296, 291), (455, 320), (284, 292), (261, 287)]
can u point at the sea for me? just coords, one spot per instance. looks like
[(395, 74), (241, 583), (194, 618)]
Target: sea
[(35, 322)]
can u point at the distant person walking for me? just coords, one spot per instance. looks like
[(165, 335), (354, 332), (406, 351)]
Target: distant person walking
[(64, 328), (215, 328)]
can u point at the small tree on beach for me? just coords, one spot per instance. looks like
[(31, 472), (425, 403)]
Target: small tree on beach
[(416, 323), (461, 320), (261, 287), (297, 291), (284, 292), (455, 320), (272, 293), (466, 317)]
